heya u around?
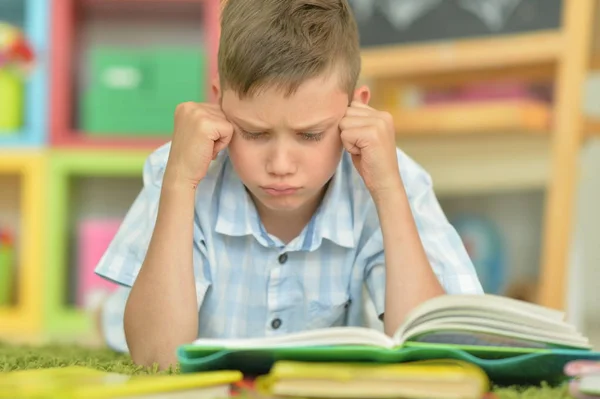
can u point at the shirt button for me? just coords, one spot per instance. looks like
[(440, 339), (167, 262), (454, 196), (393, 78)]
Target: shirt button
[(283, 258), (276, 323)]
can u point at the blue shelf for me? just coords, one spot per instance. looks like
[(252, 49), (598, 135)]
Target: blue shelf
[(35, 22)]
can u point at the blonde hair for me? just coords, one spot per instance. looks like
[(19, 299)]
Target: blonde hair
[(282, 43)]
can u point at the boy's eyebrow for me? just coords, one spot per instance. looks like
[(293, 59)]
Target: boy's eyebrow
[(307, 127), (314, 125), (248, 124)]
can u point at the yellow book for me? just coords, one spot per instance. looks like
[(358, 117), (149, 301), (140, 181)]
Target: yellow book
[(441, 379), (81, 382)]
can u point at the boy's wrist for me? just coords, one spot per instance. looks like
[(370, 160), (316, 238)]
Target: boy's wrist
[(393, 192), (174, 181)]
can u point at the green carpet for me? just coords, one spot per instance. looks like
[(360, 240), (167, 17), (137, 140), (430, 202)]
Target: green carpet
[(26, 357)]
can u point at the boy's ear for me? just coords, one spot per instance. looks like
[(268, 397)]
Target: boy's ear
[(362, 94), (216, 89)]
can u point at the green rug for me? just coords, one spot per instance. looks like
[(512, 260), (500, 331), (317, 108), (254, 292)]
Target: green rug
[(27, 357)]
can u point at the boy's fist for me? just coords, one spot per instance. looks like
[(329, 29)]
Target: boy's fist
[(201, 131)]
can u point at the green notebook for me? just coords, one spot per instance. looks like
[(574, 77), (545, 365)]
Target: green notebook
[(513, 341)]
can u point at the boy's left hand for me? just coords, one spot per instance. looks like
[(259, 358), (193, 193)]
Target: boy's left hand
[(369, 136)]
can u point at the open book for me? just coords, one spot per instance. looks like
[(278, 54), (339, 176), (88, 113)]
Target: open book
[(463, 320)]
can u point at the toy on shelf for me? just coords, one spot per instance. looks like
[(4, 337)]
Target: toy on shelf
[(7, 255), (483, 241), (135, 92), (94, 237), (16, 63)]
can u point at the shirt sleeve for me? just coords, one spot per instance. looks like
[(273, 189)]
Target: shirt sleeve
[(125, 254), (442, 244)]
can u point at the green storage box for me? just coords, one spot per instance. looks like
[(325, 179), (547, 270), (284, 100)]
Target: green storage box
[(11, 102), (135, 92), (7, 253)]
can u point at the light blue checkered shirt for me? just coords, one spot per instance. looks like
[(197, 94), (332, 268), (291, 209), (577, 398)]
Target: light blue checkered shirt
[(251, 284)]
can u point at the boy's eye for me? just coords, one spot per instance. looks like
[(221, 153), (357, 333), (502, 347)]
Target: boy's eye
[(312, 136), (250, 135)]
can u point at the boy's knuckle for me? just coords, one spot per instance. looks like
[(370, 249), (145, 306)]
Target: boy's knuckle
[(381, 123), (184, 108), (387, 117)]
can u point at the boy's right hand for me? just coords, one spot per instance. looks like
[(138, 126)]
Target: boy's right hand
[(201, 132)]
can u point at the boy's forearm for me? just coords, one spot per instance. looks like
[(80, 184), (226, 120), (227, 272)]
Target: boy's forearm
[(162, 310), (409, 277)]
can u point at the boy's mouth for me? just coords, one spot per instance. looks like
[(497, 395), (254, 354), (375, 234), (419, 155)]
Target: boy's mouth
[(280, 190)]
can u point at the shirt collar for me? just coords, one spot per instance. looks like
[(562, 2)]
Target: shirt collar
[(236, 213), (333, 220)]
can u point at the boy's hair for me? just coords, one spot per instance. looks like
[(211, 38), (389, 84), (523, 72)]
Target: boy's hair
[(282, 43)]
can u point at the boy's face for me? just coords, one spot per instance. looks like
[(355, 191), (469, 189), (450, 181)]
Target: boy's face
[(285, 150)]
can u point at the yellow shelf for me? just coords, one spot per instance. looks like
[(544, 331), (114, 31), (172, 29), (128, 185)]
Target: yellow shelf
[(26, 317), (475, 118), (461, 55)]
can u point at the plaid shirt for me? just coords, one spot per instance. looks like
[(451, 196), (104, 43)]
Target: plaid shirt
[(251, 284)]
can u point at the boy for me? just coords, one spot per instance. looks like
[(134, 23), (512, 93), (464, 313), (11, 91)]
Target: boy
[(269, 212)]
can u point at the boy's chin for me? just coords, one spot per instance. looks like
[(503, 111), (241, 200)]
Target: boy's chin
[(285, 204), (282, 204)]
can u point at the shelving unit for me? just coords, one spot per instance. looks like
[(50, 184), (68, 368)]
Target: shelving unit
[(489, 136), (24, 318), (64, 319), (85, 168), (36, 26)]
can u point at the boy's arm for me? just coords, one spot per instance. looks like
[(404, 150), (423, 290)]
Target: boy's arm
[(156, 258), (414, 229), (162, 309), (410, 279)]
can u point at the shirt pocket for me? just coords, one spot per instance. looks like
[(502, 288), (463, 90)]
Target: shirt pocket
[(332, 312)]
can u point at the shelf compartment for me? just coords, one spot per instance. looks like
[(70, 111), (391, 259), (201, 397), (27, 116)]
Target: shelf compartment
[(80, 25), (36, 27), (482, 164), (63, 318)]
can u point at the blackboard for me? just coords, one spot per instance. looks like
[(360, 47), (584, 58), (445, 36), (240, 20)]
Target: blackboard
[(387, 22), (13, 12)]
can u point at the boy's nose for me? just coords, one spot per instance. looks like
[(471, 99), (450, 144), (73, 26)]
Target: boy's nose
[(281, 162)]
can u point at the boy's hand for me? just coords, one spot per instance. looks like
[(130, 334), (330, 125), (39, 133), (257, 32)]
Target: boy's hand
[(201, 132), (369, 136)]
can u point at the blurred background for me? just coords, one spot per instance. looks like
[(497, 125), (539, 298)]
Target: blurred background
[(498, 99)]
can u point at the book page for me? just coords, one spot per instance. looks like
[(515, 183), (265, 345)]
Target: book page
[(420, 333), (506, 319), (490, 304), (502, 328), (334, 336)]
